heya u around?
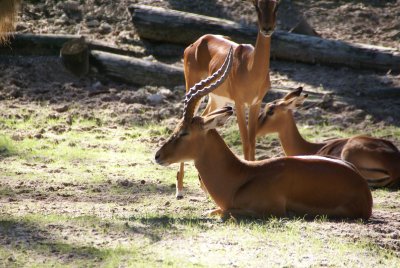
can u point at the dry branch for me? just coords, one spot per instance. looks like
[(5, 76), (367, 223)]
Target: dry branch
[(164, 25)]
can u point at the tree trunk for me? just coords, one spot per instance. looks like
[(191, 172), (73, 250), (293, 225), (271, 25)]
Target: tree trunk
[(164, 25)]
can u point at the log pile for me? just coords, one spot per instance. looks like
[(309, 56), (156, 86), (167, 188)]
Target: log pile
[(170, 31), (171, 26)]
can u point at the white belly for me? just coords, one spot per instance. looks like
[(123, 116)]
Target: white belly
[(338, 161), (220, 101)]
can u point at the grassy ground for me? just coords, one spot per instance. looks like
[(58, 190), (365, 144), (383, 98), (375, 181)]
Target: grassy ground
[(83, 192)]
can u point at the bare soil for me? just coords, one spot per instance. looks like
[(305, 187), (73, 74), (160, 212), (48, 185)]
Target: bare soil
[(338, 94)]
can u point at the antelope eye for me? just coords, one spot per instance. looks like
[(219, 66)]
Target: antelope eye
[(182, 134), (270, 110)]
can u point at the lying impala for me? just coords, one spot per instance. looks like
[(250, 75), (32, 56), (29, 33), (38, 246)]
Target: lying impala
[(377, 160), (247, 83), (304, 185)]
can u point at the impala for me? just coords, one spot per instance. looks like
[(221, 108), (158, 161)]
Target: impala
[(248, 81), (377, 160), (304, 185)]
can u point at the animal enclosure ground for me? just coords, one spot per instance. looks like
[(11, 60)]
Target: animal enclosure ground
[(78, 186)]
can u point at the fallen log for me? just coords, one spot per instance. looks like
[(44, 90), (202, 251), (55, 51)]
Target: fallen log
[(165, 25), (119, 64), (137, 71), (50, 44)]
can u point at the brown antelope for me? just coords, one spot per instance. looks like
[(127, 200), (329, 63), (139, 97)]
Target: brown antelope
[(8, 13), (248, 81), (377, 160), (302, 185)]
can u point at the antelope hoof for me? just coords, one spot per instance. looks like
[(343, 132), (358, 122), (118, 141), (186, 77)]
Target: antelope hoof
[(179, 195), (213, 212)]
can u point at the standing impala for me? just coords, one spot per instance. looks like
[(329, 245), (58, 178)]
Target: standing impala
[(248, 81), (304, 185), (377, 160)]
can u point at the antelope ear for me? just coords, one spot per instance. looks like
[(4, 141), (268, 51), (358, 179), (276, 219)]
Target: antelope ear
[(294, 93), (217, 118), (295, 102)]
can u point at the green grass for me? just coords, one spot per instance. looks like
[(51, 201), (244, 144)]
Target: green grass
[(7, 147), (65, 204), (187, 240)]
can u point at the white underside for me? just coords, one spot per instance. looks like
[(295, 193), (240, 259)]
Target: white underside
[(316, 157), (220, 100)]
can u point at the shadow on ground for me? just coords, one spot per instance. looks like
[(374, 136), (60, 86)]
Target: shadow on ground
[(27, 236)]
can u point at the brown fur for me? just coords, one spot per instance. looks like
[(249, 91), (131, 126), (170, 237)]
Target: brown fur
[(376, 159), (278, 187), (8, 14)]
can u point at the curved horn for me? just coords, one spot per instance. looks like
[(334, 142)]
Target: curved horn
[(196, 92)]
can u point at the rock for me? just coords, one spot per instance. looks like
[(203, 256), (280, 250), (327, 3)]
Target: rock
[(38, 136), (165, 92), (69, 120), (155, 99), (70, 6), (390, 120), (128, 99), (97, 86), (386, 81), (72, 9), (21, 27), (17, 137), (110, 98), (61, 109), (15, 93), (125, 183), (105, 28), (164, 113), (92, 23)]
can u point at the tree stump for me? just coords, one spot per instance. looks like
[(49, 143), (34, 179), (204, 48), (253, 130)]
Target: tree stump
[(75, 56)]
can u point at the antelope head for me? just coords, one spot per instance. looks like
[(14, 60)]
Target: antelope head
[(275, 113), (188, 137), (266, 13)]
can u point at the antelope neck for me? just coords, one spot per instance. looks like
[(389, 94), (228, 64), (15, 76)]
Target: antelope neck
[(261, 54), (292, 142), (220, 169)]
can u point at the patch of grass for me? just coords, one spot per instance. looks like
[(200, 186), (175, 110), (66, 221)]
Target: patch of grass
[(140, 224), (7, 147)]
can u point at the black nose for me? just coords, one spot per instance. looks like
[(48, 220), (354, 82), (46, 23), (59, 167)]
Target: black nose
[(157, 156)]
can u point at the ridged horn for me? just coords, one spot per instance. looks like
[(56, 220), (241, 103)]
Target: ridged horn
[(200, 89)]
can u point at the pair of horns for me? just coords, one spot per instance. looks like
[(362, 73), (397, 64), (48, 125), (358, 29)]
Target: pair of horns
[(200, 89)]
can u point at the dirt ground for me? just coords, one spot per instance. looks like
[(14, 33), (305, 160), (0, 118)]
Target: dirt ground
[(338, 94)]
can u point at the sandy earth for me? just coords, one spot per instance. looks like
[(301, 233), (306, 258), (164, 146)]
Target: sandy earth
[(338, 93)]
